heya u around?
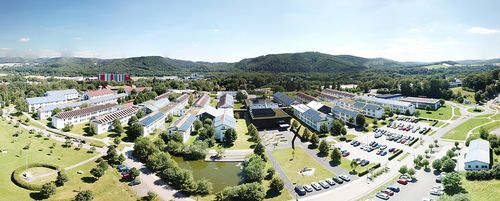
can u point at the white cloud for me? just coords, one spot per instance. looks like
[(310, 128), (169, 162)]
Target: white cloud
[(481, 30), (24, 40)]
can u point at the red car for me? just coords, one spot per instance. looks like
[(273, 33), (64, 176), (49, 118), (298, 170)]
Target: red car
[(345, 154), (388, 192), (402, 181)]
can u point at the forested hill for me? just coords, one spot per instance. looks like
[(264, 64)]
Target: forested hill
[(313, 62)]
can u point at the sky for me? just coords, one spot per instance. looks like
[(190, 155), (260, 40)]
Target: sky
[(231, 30)]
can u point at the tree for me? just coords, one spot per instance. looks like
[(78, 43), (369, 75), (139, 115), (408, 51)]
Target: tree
[(150, 197), (134, 173), (117, 125), (456, 144), (360, 120), (270, 173), (140, 114), (116, 141), (483, 133), (135, 131), (307, 135), (295, 125), (48, 189), (244, 192), (335, 156), (253, 169), (276, 185), (97, 172), (67, 143), (56, 111), (133, 119), (197, 125), (203, 187), (67, 127), (411, 172), (323, 128), (452, 183), (354, 165), (314, 139), (448, 165), (425, 163), (431, 146), (337, 126), (230, 136), (259, 149), (85, 195), (62, 178), (403, 169), (437, 164), (323, 148), (240, 96)]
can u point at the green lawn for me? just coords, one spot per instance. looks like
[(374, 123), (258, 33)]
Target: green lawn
[(39, 151), (460, 132), (347, 137), (479, 110), (292, 166), (489, 127), (242, 142), (468, 95), (443, 113), (346, 165), (482, 190), (23, 117), (496, 117), (457, 113)]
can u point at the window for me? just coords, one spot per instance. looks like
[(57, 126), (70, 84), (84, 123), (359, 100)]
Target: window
[(477, 166)]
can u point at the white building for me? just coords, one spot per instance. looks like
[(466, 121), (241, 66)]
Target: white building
[(399, 107), (104, 123), (347, 115), (203, 101), (222, 123), (477, 156), (68, 93), (311, 116), (82, 115), (184, 126), (180, 105), (367, 109), (38, 102), (152, 121), (260, 103), (97, 94), (225, 101)]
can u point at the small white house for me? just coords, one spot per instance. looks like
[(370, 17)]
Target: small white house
[(477, 156), (184, 126), (222, 123)]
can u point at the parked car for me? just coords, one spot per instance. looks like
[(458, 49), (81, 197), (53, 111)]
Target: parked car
[(394, 189), (308, 188), (330, 182), (316, 186), (383, 153), (438, 187), (364, 162), (388, 192), (338, 180), (300, 190), (134, 182), (407, 178), (323, 184), (436, 192), (345, 177), (382, 196), (402, 181)]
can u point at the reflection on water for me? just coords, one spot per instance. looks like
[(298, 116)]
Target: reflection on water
[(221, 174)]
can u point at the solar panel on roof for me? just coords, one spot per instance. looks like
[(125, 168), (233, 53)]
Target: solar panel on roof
[(266, 112)]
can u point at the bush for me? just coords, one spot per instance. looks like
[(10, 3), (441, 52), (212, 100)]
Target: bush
[(19, 181), (395, 154)]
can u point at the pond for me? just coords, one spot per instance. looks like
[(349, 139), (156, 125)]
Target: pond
[(221, 174)]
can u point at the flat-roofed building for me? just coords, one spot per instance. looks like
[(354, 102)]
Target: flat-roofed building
[(37, 102), (311, 116), (395, 106), (68, 93), (184, 126), (477, 155), (154, 105), (423, 103), (388, 96), (82, 115), (104, 123), (152, 121), (265, 114), (260, 103)]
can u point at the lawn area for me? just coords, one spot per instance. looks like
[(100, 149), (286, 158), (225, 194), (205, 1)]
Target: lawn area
[(213, 101), (443, 113), (371, 195), (299, 162), (440, 123), (482, 190), (475, 110), (346, 165), (39, 151), (457, 112), (460, 132), (489, 127), (242, 142), (347, 137), (468, 95), (237, 105), (22, 119), (496, 117)]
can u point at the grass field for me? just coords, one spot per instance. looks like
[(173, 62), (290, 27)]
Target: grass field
[(468, 95), (242, 142), (482, 190), (460, 132), (443, 113), (347, 137), (489, 127), (108, 188), (478, 110), (299, 162), (457, 113), (346, 165)]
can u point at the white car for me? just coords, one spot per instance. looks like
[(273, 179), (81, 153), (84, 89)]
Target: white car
[(438, 187), (427, 199), (436, 192)]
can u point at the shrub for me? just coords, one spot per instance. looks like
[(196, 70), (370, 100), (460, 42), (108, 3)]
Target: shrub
[(19, 181)]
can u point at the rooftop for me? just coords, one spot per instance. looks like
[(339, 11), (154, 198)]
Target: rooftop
[(306, 97), (346, 111), (268, 113), (225, 101), (283, 99), (420, 100), (116, 115), (384, 101), (339, 93), (202, 101), (182, 98), (61, 92), (84, 111), (100, 92), (225, 120), (151, 118), (315, 105), (45, 99), (77, 104), (155, 105), (478, 150), (184, 122)]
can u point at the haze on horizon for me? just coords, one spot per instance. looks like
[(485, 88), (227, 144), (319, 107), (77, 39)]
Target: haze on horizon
[(410, 30)]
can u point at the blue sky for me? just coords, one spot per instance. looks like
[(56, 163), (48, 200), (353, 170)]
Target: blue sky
[(230, 30)]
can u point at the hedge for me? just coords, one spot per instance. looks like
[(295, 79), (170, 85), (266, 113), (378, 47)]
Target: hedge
[(366, 171), (395, 154), (413, 142), (19, 181)]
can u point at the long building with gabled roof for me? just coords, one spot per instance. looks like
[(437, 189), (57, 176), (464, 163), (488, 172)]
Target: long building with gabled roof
[(104, 123), (152, 121), (203, 101), (82, 115)]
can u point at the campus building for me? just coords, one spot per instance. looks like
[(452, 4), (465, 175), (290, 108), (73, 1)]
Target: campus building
[(82, 115), (283, 99), (104, 123), (477, 155), (347, 115), (69, 94), (154, 105), (338, 94), (265, 114), (423, 103), (395, 106), (222, 123), (304, 98), (311, 116), (152, 121), (184, 126), (225, 101), (179, 107), (119, 77), (203, 101), (367, 109), (37, 102), (89, 95)]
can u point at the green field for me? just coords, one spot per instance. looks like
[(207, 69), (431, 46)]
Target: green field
[(443, 113), (242, 142), (346, 165), (299, 162), (472, 110), (457, 113), (482, 190), (460, 132), (468, 95), (107, 188), (489, 127), (347, 137)]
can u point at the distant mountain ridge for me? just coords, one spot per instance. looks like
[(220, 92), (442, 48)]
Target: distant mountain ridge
[(157, 65)]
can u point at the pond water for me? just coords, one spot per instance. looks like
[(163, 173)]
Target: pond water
[(221, 174)]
